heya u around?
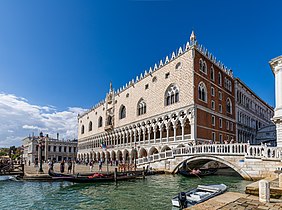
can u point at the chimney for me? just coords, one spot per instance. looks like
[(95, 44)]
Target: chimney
[(57, 136)]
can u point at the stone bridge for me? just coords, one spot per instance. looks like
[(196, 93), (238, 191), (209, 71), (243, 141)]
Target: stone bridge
[(251, 162)]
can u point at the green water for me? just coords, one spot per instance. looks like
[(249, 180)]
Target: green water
[(155, 192)]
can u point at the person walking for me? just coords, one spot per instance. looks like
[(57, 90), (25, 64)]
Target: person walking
[(69, 166), (91, 165), (100, 165), (62, 166)]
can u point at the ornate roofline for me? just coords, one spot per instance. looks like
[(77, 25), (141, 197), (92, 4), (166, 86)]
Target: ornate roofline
[(191, 44)]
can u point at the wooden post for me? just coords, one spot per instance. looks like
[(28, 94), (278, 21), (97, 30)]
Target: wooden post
[(23, 169), (115, 174), (143, 173)]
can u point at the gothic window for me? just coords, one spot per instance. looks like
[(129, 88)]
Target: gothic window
[(100, 122), (82, 129), (202, 91), (141, 107), (229, 106), (122, 112), (212, 91), (90, 126), (219, 78), (203, 66), (171, 95), (212, 73)]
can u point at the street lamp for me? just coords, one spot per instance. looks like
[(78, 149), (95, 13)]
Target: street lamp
[(40, 144)]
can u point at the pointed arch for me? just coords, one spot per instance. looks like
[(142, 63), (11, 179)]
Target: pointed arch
[(229, 106), (219, 79), (202, 92), (171, 95), (100, 122), (212, 73), (141, 107), (82, 129), (122, 112), (90, 126)]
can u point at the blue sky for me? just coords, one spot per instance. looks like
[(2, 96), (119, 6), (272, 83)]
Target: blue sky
[(63, 54)]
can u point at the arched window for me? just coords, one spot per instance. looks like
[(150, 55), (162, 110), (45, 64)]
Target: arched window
[(100, 122), (202, 91), (229, 106), (219, 78), (82, 129), (122, 112), (203, 66), (201, 63), (171, 95), (90, 126), (212, 73), (141, 107)]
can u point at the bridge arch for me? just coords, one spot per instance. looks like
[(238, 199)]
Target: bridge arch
[(165, 148), (153, 150), (207, 158), (143, 152)]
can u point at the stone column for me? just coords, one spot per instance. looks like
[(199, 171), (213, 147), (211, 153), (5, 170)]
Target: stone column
[(134, 132), (149, 134), (264, 191), (161, 133), (144, 134), (155, 133), (276, 66), (182, 130), (280, 180), (174, 132), (130, 137), (167, 132)]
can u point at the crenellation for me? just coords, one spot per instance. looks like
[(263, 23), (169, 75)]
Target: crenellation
[(172, 56), (155, 67), (166, 60), (145, 73), (180, 51), (161, 63)]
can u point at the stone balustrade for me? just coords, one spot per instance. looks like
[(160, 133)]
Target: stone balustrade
[(238, 149)]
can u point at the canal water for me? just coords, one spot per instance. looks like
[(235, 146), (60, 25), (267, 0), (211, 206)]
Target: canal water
[(155, 192)]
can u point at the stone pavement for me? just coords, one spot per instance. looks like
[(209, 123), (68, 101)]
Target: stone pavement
[(78, 168), (237, 201)]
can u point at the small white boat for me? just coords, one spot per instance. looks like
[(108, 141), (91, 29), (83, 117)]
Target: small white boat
[(6, 177), (197, 195)]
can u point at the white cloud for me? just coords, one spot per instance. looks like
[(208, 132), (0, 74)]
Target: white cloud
[(18, 119)]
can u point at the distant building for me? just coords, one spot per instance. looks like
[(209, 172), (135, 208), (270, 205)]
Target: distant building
[(53, 149), (266, 135), (252, 113)]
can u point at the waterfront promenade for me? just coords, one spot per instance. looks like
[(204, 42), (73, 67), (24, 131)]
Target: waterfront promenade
[(78, 168), (238, 201)]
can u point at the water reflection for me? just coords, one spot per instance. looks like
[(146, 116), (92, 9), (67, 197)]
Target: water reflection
[(154, 192)]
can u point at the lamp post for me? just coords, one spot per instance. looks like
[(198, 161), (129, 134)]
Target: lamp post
[(40, 141)]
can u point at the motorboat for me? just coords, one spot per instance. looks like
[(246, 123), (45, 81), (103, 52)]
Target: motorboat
[(197, 195), (7, 177)]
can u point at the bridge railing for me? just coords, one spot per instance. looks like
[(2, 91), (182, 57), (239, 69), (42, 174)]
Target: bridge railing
[(238, 149), (217, 149), (264, 152)]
